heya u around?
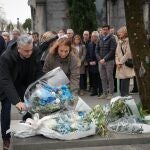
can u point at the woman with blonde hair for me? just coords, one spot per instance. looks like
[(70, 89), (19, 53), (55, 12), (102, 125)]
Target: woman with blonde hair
[(61, 55), (123, 53)]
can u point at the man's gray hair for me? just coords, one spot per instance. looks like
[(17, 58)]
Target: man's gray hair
[(23, 40), (70, 30), (95, 33)]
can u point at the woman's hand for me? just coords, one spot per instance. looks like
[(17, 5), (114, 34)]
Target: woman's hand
[(54, 47), (119, 66)]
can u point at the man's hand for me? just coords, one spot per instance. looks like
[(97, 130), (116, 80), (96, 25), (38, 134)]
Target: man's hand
[(21, 106), (102, 61)]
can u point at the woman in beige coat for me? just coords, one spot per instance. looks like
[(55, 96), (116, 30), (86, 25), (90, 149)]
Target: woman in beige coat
[(80, 51), (123, 72)]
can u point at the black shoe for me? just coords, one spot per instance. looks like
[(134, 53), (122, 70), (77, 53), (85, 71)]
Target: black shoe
[(26, 116), (133, 91), (93, 94)]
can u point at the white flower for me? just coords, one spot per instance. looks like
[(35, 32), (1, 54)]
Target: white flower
[(38, 93), (51, 123), (57, 101), (74, 125), (53, 93), (75, 117)]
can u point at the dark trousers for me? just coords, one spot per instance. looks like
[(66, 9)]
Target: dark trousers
[(5, 118), (124, 86), (115, 79), (90, 80), (96, 83), (82, 81), (135, 87), (85, 77)]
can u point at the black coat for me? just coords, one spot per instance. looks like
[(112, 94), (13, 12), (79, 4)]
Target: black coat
[(91, 56), (16, 74)]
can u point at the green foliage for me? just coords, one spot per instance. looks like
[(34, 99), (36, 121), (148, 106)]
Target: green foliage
[(82, 15), (142, 112), (99, 116), (103, 115), (27, 24), (118, 110)]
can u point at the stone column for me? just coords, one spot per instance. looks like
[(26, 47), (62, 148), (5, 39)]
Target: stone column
[(116, 14), (101, 14), (146, 15), (57, 14), (40, 19)]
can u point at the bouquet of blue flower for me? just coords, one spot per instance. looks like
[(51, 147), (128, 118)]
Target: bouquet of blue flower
[(67, 122), (48, 94)]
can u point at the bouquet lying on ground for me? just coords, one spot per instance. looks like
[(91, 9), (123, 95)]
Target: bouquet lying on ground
[(64, 125), (121, 115), (67, 122)]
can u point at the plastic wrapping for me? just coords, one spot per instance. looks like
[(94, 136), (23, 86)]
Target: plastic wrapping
[(123, 106), (64, 125), (130, 125), (49, 93)]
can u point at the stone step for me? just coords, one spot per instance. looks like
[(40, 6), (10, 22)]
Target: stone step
[(42, 143)]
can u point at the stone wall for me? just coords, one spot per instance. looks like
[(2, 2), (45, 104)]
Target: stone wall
[(57, 14), (49, 15), (116, 13), (101, 13), (40, 20)]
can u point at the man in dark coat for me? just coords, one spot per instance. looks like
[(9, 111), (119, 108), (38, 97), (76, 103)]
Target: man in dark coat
[(93, 65), (18, 68)]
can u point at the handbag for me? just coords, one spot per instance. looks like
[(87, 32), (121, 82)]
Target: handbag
[(129, 61)]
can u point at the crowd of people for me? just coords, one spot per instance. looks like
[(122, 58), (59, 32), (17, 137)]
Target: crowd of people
[(92, 62)]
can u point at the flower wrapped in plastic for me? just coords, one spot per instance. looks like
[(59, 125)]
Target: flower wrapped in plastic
[(67, 122), (129, 124), (65, 125), (49, 93)]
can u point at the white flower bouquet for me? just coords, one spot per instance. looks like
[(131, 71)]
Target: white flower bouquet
[(66, 125)]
